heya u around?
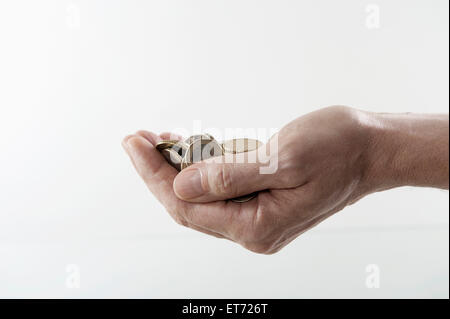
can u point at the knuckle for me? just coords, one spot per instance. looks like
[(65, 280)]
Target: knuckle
[(290, 167), (222, 180), (290, 177), (141, 132), (340, 108)]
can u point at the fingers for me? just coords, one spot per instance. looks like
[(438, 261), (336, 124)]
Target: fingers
[(221, 178), (170, 136), (149, 136), (150, 165), (219, 217)]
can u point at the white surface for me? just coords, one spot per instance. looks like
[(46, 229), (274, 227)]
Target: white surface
[(69, 92)]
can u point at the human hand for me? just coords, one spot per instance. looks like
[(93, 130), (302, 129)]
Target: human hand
[(327, 160)]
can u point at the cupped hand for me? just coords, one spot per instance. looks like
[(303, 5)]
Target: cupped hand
[(323, 165)]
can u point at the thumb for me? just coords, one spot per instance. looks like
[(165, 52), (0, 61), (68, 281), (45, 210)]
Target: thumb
[(209, 181)]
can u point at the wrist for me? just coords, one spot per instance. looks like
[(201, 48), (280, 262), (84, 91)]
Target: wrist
[(384, 149), (406, 150)]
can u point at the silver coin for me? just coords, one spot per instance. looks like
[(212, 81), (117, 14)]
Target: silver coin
[(200, 150), (209, 136), (172, 157), (181, 154), (181, 148), (197, 137)]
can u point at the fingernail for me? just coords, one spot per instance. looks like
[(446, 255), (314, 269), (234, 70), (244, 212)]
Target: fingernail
[(188, 184)]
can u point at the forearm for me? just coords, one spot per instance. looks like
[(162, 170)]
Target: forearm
[(408, 150)]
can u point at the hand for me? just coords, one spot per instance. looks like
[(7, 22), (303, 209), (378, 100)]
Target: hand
[(327, 160)]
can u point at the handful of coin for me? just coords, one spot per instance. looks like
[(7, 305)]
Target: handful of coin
[(181, 154)]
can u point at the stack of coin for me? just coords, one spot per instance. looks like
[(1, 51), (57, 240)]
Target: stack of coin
[(181, 154)]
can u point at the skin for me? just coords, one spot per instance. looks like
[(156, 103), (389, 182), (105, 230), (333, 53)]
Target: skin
[(327, 159)]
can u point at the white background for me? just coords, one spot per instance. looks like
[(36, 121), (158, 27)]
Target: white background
[(77, 76)]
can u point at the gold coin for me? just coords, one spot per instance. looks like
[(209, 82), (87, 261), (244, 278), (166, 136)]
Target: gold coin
[(172, 157), (165, 144), (240, 145)]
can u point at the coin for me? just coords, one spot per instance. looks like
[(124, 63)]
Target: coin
[(165, 144), (209, 136), (244, 198), (184, 164), (172, 157), (181, 148), (240, 145), (197, 137), (200, 150), (181, 154)]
